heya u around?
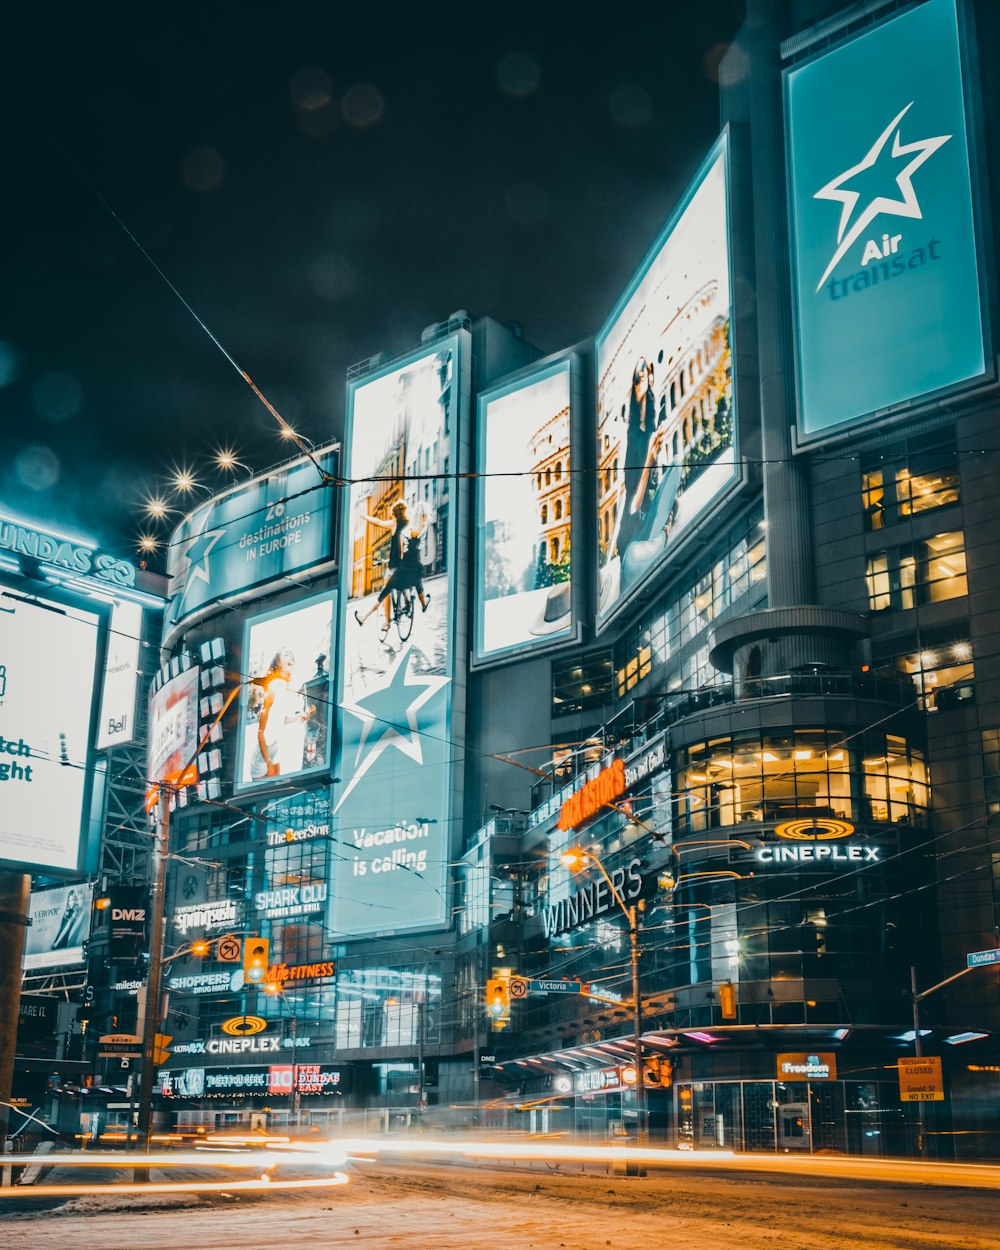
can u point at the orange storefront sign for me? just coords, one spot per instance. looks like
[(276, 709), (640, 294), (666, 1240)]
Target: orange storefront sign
[(608, 785)]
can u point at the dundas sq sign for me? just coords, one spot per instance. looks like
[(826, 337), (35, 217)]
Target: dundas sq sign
[(885, 268)]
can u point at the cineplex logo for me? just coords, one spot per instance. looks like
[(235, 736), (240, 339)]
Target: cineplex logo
[(859, 211)]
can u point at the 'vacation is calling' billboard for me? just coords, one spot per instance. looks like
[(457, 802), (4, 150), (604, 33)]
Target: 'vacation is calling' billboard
[(407, 433), (666, 431), (884, 260)]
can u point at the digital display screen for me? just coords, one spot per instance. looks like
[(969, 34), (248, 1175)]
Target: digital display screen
[(173, 730), (666, 433), (286, 704), (525, 542), (392, 807), (270, 528), (49, 652), (60, 926), (885, 268)]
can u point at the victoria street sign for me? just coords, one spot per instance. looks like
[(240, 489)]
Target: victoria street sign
[(558, 987), (978, 959)]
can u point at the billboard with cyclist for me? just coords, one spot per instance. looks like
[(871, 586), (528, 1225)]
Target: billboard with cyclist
[(406, 435)]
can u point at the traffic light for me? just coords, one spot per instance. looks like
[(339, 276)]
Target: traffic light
[(727, 1000), (498, 1000), (256, 952)]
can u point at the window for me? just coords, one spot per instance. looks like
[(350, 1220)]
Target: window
[(991, 768), (906, 482), (581, 683), (731, 570), (944, 675), (918, 573)]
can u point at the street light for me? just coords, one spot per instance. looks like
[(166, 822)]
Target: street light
[(575, 859)]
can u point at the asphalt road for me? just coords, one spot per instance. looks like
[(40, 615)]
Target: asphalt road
[(417, 1206)]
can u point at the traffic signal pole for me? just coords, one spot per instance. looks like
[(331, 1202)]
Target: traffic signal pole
[(151, 1018)]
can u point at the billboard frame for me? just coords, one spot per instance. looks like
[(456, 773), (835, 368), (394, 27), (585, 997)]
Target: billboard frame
[(322, 775), (101, 610), (571, 363), (893, 417), (730, 147), (459, 341)]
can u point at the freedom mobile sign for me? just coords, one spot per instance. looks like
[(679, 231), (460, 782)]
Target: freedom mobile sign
[(885, 267)]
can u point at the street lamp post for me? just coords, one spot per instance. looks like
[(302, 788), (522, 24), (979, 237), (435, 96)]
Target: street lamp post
[(575, 859)]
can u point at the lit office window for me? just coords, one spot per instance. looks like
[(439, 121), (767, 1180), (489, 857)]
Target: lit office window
[(905, 484), (581, 684), (943, 675), (918, 573)]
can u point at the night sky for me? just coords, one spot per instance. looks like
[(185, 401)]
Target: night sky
[(319, 182)]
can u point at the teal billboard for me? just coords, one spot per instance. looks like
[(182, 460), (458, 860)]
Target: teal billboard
[(402, 642), (885, 269), (272, 527)]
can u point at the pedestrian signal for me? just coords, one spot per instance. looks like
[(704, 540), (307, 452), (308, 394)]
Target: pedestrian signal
[(256, 952)]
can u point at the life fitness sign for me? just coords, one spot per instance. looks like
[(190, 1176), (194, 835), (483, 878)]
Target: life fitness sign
[(608, 785)]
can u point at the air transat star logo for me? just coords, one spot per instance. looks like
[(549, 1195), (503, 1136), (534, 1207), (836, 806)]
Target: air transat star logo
[(389, 717), (193, 558), (905, 204)]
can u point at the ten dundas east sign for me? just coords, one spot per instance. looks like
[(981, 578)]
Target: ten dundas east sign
[(884, 258)]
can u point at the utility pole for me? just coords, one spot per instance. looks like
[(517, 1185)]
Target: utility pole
[(14, 890), (642, 1128), (151, 1020)]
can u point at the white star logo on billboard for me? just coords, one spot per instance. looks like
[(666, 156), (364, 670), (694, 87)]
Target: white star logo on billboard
[(380, 732), (905, 206), (194, 558)]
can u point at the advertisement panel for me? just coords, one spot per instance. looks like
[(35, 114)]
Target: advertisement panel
[(399, 653), (272, 527), (116, 726), (666, 434), (60, 927), (524, 583), (286, 705), (127, 923), (885, 269), (173, 730), (49, 657)]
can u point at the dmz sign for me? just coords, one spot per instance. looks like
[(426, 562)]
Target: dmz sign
[(884, 260)]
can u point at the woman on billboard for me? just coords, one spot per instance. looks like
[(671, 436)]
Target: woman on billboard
[(406, 569), (282, 706)]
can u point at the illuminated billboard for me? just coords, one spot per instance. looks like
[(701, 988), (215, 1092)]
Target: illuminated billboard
[(273, 527), (402, 648), (173, 730), (525, 509), (116, 726), (60, 927), (286, 704), (49, 656), (885, 270), (666, 432)]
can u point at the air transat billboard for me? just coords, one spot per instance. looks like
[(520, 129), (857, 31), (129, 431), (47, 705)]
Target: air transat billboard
[(666, 430), (401, 681), (273, 527), (885, 268)]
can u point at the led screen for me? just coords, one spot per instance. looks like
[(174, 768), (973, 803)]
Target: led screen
[(286, 703), (48, 657), (60, 927), (666, 437), (884, 262), (524, 486), (271, 528), (398, 655), (116, 726), (173, 730)]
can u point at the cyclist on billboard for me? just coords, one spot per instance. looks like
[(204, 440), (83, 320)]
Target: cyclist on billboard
[(404, 562)]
